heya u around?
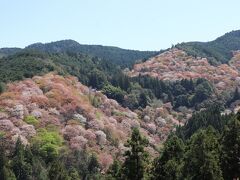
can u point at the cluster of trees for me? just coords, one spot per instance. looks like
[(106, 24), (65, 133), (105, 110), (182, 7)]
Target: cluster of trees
[(140, 91), (46, 158), (234, 96), (211, 151), (208, 153), (185, 92)]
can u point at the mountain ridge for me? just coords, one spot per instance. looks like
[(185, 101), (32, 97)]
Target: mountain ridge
[(217, 51), (119, 56)]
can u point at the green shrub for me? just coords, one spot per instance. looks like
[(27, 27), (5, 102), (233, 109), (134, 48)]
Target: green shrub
[(31, 120), (114, 93), (95, 100), (98, 115), (2, 134)]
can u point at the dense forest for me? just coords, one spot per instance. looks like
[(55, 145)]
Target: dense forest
[(134, 93), (8, 51), (217, 51), (206, 147), (29, 63)]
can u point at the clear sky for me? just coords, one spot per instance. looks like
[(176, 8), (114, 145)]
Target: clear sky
[(132, 24)]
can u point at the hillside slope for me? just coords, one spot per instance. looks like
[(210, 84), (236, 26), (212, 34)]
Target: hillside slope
[(28, 63), (85, 118), (176, 64)]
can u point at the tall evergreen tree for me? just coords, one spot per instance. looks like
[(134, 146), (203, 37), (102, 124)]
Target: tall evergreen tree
[(115, 170), (135, 165), (5, 171), (21, 168), (231, 149), (143, 100), (168, 165), (236, 95), (202, 158), (57, 171), (93, 165)]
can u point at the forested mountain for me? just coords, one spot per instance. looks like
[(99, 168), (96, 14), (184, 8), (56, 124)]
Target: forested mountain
[(28, 63), (217, 51), (69, 111), (122, 57)]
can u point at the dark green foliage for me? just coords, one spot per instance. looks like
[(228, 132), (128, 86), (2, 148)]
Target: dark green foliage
[(2, 87), (58, 172), (73, 174), (206, 156), (168, 165), (121, 57), (39, 168), (25, 64), (122, 81), (93, 164), (143, 100), (187, 93), (21, 167), (231, 149), (114, 93), (25, 163), (115, 170), (8, 51), (5, 171), (203, 91), (135, 165), (29, 63), (233, 97), (142, 90), (202, 157), (82, 164), (203, 119), (97, 79), (236, 95), (217, 51)]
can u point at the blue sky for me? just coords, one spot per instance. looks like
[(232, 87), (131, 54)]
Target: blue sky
[(131, 24)]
